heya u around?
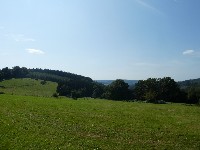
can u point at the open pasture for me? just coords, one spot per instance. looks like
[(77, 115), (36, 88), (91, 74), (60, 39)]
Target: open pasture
[(27, 86), (28, 122)]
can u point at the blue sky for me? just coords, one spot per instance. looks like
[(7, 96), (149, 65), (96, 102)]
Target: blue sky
[(103, 39)]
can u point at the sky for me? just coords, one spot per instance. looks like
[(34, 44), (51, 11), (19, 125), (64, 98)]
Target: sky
[(103, 39)]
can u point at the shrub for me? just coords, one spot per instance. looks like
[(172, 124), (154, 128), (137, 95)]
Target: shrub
[(43, 82), (2, 93), (55, 95), (1, 86), (156, 101)]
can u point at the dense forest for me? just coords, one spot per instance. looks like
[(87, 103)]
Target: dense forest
[(155, 90)]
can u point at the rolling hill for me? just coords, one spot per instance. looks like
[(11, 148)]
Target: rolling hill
[(189, 83), (31, 119), (27, 86)]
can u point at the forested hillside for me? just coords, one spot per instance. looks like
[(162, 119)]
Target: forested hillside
[(107, 82), (192, 88), (69, 84), (188, 83), (154, 90)]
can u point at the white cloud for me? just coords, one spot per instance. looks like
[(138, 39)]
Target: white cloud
[(35, 51), (20, 38), (189, 52)]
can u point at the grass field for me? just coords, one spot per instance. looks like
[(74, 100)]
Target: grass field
[(28, 122), (28, 86)]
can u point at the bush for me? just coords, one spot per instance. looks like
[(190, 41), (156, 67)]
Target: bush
[(2, 93), (156, 101), (43, 82), (55, 95), (1, 86), (161, 102)]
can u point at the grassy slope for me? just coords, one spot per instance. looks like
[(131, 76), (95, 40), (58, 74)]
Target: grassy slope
[(28, 87), (46, 123)]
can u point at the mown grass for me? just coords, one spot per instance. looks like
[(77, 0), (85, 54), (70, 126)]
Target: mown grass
[(28, 86), (28, 122)]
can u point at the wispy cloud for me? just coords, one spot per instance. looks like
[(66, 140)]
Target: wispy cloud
[(188, 52), (20, 38), (148, 6), (35, 51), (191, 52)]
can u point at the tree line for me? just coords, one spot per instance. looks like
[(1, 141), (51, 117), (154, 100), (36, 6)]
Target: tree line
[(76, 86)]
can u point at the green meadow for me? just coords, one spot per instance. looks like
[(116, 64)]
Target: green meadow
[(26, 86), (29, 122)]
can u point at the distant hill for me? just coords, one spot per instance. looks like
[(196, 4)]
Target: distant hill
[(107, 82), (188, 83), (42, 74), (68, 84)]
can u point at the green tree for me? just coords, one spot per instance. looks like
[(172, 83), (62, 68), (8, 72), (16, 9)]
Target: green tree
[(158, 89), (147, 89), (193, 95), (6, 73), (140, 90), (169, 90), (118, 90), (18, 72), (98, 90)]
